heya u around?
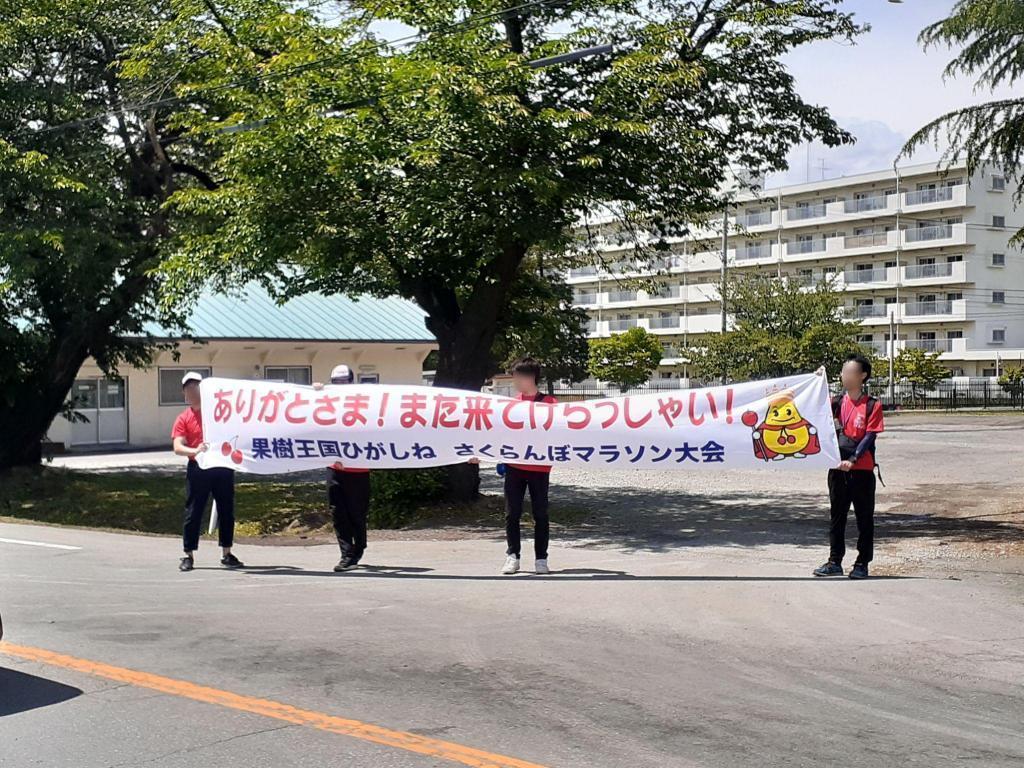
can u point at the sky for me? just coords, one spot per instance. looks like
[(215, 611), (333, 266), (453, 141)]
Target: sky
[(882, 88)]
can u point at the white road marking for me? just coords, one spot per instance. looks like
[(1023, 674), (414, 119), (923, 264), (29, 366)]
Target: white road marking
[(37, 544)]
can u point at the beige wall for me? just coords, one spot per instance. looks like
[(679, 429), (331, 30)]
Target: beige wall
[(149, 424)]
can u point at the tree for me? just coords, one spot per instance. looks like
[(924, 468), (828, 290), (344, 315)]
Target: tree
[(626, 359), (1012, 381), (990, 34), (921, 369), (435, 169), (541, 322), (779, 328), (81, 218)]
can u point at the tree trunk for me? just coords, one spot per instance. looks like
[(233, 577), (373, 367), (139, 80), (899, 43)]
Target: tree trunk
[(26, 418)]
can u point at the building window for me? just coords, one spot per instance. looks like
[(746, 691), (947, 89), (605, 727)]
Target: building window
[(998, 297), (998, 335), (369, 378), (170, 384), (954, 296), (999, 221), (954, 334), (955, 258), (988, 373), (289, 374), (998, 183), (998, 259)]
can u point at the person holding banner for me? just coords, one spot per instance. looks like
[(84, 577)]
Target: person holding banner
[(858, 420), (522, 477), (200, 484), (348, 495)]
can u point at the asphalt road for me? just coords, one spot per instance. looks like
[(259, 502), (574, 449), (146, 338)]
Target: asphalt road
[(710, 656)]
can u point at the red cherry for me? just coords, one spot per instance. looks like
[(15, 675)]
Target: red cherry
[(749, 418), (236, 456), (225, 448)]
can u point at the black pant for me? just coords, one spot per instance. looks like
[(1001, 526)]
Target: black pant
[(199, 485), (348, 493), (516, 483), (855, 487)]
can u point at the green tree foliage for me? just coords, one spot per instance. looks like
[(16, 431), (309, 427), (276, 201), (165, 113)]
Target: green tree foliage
[(990, 37), (1012, 381), (921, 369), (626, 359), (779, 328), (81, 218), (433, 170)]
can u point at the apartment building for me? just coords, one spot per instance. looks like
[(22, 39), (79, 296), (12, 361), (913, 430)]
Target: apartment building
[(918, 249)]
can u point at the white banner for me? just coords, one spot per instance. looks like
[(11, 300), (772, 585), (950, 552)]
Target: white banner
[(267, 427)]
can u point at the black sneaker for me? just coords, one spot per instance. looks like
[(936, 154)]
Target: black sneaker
[(186, 564), (230, 561), (829, 569), (859, 571), (345, 564)]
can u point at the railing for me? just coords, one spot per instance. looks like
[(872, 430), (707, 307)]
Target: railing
[(917, 271), (925, 196), (622, 296), (591, 326), (930, 345), (925, 308), (801, 212), (877, 348), (865, 275), (861, 204), (866, 240), (934, 232), (590, 271), (759, 219), (870, 310), (759, 251), (806, 246), (622, 324), (585, 298), (664, 322)]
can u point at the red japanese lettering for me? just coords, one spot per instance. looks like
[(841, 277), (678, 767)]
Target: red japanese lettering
[(478, 412), (291, 413), (326, 413), (506, 415), (670, 409), (222, 408), (577, 408), (352, 409), (445, 408), (630, 421), (614, 406), (412, 407), (270, 403)]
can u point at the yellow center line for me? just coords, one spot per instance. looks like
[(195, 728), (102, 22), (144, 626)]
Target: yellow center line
[(410, 742)]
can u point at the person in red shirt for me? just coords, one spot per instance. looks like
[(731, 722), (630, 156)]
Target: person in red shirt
[(522, 477), (348, 495), (858, 420), (200, 484)]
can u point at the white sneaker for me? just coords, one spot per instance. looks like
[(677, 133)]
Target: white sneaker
[(511, 565), (541, 567)]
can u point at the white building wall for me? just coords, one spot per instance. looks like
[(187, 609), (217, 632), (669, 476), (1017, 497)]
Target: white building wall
[(149, 423), (935, 275)]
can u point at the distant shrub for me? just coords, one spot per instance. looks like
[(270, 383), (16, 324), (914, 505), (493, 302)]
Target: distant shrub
[(397, 494)]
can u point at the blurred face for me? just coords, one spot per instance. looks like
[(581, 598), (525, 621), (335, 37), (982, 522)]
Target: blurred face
[(191, 391), (524, 383), (852, 376)]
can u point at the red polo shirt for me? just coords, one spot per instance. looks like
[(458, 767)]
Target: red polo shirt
[(189, 425), (857, 422), (534, 467)]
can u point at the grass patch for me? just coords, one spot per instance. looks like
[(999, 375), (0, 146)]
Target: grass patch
[(152, 503)]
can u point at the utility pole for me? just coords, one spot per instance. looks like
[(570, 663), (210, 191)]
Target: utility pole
[(892, 356), (725, 273), (894, 327)]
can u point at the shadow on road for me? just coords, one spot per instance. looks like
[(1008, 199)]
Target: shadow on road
[(20, 692)]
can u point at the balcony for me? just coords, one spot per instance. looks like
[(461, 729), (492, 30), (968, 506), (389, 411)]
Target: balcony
[(586, 298), (926, 196), (620, 296), (814, 245), (927, 308), (863, 311), (924, 234), (922, 271), (757, 251), (622, 324), (860, 276), (759, 219), (930, 345), (660, 323), (867, 240), (589, 271), (804, 212), (865, 204)]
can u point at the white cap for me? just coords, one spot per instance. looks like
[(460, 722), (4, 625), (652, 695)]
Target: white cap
[(341, 374), (191, 376)]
